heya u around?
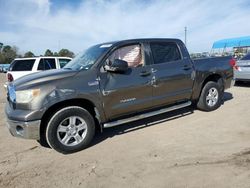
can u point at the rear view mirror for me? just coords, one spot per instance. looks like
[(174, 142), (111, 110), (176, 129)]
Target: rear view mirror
[(118, 66)]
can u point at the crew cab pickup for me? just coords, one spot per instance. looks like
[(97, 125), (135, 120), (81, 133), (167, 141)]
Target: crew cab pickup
[(111, 84)]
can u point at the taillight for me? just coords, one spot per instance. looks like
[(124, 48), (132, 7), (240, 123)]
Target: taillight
[(233, 64), (10, 77)]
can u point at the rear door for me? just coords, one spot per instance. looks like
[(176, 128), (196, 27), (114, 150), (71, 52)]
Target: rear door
[(129, 92), (172, 74)]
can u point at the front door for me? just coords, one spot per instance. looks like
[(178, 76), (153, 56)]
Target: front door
[(129, 92)]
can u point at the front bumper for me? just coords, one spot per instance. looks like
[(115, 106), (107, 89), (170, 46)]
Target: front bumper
[(28, 129)]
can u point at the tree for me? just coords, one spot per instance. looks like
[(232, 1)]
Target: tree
[(8, 54), (55, 54), (48, 52), (29, 54), (66, 53)]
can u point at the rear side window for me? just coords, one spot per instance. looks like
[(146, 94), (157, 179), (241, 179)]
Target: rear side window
[(63, 62), (164, 52), (22, 65), (47, 64)]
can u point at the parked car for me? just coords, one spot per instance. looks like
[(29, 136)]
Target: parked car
[(242, 69), (1, 67), (5, 68), (24, 66), (110, 84)]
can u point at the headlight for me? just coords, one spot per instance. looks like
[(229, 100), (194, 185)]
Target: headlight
[(26, 96)]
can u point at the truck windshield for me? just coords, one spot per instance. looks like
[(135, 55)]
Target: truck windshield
[(87, 59)]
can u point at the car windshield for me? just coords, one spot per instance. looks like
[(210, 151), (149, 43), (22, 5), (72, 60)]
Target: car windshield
[(246, 57), (87, 59)]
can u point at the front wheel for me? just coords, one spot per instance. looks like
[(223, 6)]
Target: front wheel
[(71, 129), (211, 97)]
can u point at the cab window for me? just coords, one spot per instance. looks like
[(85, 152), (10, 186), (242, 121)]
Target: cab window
[(164, 52), (131, 54)]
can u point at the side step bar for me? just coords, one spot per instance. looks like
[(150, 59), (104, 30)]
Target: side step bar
[(148, 114)]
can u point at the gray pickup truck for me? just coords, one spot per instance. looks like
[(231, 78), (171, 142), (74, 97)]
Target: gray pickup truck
[(110, 84)]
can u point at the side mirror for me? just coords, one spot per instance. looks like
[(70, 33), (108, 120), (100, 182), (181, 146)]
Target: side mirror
[(118, 65)]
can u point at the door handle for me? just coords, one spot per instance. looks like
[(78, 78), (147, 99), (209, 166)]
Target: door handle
[(145, 73), (153, 82), (153, 70), (187, 67)]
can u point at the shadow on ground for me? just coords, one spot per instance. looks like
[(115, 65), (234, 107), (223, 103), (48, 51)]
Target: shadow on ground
[(227, 96), (242, 84)]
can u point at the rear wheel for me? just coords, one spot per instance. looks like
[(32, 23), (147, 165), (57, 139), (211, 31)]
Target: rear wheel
[(70, 129), (211, 97)]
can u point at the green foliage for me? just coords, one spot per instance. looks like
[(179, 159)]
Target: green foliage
[(48, 52), (29, 54), (8, 54), (55, 54), (66, 53)]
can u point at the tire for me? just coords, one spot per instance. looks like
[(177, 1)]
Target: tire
[(43, 142), (211, 97), (70, 129)]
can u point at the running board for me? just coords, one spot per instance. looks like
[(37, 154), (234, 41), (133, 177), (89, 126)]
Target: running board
[(148, 114)]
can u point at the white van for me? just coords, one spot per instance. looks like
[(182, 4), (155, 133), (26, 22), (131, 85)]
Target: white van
[(23, 66)]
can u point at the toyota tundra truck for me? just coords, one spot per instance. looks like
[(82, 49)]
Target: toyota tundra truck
[(110, 84)]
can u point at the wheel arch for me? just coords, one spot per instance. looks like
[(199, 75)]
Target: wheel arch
[(200, 83), (84, 103), (214, 78)]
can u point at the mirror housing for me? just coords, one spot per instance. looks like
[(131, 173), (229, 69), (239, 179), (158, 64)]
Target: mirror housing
[(118, 66)]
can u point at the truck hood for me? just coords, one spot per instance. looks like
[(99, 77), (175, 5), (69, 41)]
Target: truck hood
[(43, 76)]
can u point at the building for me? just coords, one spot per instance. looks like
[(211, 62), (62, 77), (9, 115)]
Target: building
[(233, 46)]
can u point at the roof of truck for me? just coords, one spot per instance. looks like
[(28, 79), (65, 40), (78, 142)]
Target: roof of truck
[(111, 43), (144, 39)]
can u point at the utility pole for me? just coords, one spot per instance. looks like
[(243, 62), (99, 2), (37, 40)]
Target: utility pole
[(186, 36)]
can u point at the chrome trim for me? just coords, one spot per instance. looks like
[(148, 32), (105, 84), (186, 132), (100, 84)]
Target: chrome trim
[(27, 130), (72, 131), (149, 114)]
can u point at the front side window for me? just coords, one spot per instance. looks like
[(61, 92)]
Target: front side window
[(47, 64), (22, 65), (131, 54), (164, 52)]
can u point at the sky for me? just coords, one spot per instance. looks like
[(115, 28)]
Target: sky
[(37, 25)]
